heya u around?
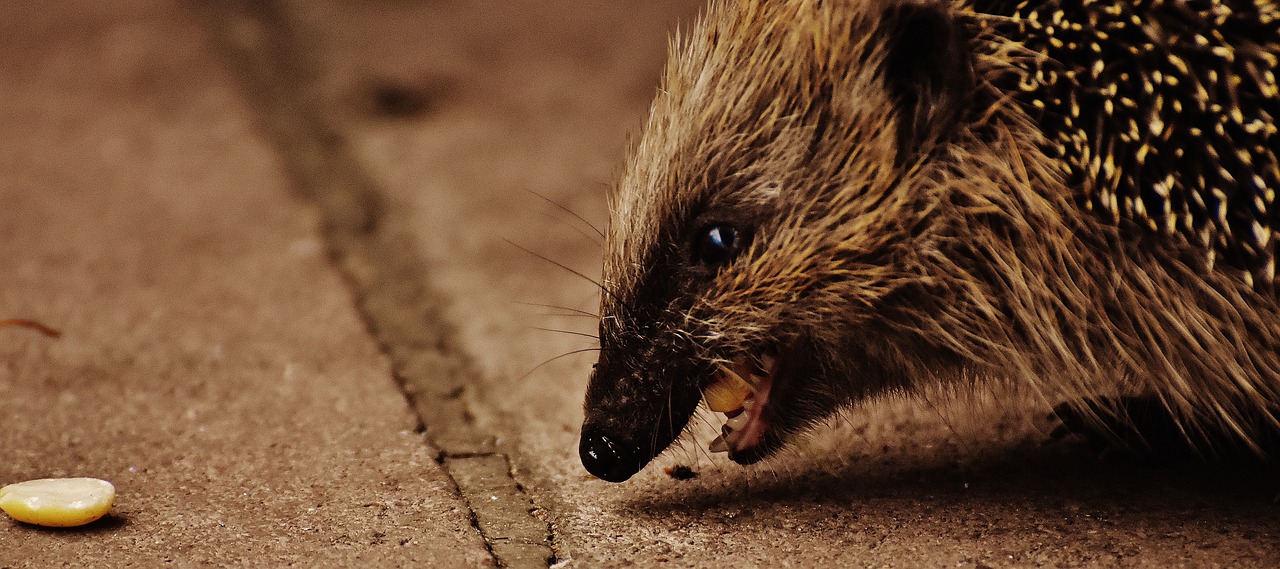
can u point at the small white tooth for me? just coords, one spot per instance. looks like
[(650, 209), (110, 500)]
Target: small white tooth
[(748, 404), (737, 422), (718, 445)]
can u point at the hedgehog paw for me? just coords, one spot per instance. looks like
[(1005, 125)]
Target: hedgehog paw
[(1131, 427), (1142, 428)]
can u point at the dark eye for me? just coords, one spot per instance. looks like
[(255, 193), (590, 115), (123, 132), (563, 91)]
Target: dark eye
[(716, 244)]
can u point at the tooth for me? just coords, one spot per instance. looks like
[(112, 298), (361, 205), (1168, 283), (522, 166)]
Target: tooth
[(718, 445), (736, 422)]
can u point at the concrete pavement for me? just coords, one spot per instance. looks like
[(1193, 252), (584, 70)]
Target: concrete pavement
[(212, 364)]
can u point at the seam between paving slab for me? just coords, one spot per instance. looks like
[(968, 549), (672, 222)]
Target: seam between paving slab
[(384, 270)]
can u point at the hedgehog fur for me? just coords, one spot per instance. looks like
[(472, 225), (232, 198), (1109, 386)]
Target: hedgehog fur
[(834, 199)]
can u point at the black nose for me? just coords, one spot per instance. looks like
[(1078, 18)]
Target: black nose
[(606, 458)]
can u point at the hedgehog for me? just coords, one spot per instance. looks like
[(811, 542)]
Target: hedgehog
[(835, 199)]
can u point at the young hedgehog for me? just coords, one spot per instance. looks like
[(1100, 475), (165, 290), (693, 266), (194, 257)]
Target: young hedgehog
[(837, 198)]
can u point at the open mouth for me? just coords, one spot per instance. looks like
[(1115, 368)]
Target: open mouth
[(741, 392)]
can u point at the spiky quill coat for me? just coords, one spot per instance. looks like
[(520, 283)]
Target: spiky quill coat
[(1076, 195)]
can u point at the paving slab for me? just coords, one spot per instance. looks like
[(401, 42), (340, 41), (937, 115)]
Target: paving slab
[(212, 363), (466, 115)]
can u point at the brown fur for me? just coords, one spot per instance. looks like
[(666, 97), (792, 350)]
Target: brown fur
[(883, 254)]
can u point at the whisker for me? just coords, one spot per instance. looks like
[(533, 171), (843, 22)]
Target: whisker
[(703, 450), (568, 211), (666, 410), (575, 311), (560, 315), (564, 355), (570, 332), (711, 423), (575, 228), (694, 452), (602, 288)]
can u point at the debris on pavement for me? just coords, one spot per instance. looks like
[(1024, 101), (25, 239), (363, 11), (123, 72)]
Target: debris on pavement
[(31, 324)]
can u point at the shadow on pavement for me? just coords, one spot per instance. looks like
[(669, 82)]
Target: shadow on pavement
[(1047, 483)]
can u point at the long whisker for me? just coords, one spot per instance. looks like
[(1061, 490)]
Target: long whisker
[(602, 288), (575, 228), (561, 315), (568, 211), (575, 311), (570, 332), (564, 355), (702, 417)]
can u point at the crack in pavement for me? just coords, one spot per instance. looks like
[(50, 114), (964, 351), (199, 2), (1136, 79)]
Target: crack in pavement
[(383, 269)]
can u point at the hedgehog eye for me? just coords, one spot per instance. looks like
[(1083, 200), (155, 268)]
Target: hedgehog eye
[(716, 244)]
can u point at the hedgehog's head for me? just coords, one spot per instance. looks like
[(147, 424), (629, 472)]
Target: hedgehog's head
[(770, 220)]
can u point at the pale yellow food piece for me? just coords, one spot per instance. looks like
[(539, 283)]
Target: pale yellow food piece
[(58, 502), (727, 393)]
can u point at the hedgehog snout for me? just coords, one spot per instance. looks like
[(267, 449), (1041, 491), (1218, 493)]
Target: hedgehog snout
[(632, 413), (616, 414), (606, 457)]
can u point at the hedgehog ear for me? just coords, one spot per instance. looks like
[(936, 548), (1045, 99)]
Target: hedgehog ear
[(928, 70)]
